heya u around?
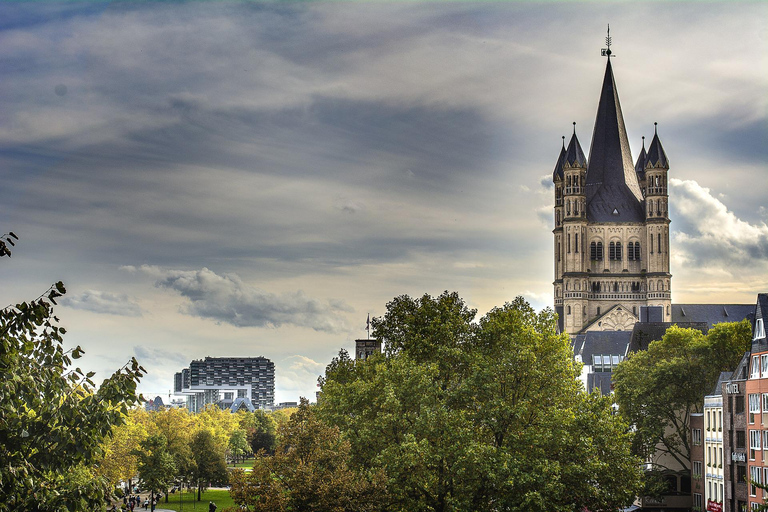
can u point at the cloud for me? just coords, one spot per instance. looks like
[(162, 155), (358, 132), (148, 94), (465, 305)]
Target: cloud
[(712, 237), (104, 303), (145, 355), (296, 376), (226, 298)]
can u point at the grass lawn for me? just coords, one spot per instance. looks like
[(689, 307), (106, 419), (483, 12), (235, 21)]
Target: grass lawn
[(220, 497), (247, 464)]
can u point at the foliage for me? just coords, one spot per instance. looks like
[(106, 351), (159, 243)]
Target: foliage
[(489, 415), (53, 418), (176, 425), (120, 462), (238, 445), (309, 472), (156, 466), (658, 389), (210, 463), (260, 429)]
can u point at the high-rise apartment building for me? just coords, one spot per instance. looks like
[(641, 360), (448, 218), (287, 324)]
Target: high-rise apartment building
[(229, 382)]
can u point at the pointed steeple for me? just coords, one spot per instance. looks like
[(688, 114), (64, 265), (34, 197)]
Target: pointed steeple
[(613, 193), (640, 164), (574, 156), (656, 155), (558, 172)]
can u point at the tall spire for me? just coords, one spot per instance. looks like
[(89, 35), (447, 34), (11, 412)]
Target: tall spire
[(613, 193)]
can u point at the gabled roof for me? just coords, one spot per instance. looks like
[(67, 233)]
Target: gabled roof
[(613, 194), (574, 156), (656, 156), (711, 313), (601, 343), (644, 333)]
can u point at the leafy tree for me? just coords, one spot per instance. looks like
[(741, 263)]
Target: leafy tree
[(53, 418), (260, 429), (156, 466), (478, 416), (210, 464), (120, 462), (238, 444), (310, 472), (657, 390), (176, 425)]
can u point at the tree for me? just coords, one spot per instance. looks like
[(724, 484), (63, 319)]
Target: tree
[(120, 462), (658, 389), (238, 445), (310, 472), (156, 465), (481, 416), (53, 418), (210, 464), (176, 425), (260, 430)]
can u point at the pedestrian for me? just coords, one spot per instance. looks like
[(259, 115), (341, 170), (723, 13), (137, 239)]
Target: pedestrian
[(211, 506)]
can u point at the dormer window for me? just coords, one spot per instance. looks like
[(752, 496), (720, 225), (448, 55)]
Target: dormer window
[(759, 329)]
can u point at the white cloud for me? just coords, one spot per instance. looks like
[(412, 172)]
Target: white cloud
[(712, 237), (296, 376)]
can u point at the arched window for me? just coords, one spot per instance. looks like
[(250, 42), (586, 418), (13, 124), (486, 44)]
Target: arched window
[(612, 251), (558, 251), (569, 310), (650, 286), (659, 240), (568, 207), (630, 251), (576, 242), (598, 310), (593, 251), (618, 251), (634, 310), (599, 250), (637, 251), (661, 285)]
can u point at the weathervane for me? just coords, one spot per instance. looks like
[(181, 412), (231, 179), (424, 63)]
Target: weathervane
[(606, 52)]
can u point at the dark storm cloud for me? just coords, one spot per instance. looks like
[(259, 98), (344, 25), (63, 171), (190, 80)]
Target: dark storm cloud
[(225, 298)]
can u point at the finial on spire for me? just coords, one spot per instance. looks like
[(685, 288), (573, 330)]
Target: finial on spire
[(606, 52), (574, 127), (563, 141), (643, 141), (655, 131)]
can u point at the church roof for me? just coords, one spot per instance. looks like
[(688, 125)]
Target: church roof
[(711, 313), (574, 156), (656, 155), (558, 172), (640, 164), (613, 193)]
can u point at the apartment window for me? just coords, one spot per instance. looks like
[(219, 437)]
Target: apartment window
[(709, 421), (764, 365), (759, 329), (697, 501), (741, 474), (739, 405), (754, 478), (709, 456), (755, 374), (765, 441), (696, 436), (741, 439), (720, 421), (754, 406), (754, 443), (697, 469)]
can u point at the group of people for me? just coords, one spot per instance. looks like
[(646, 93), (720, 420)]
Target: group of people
[(132, 502)]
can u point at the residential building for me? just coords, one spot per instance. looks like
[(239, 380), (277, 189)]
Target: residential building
[(735, 467), (757, 407), (697, 461), (232, 383)]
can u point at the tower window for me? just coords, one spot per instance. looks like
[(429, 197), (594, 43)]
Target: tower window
[(593, 251), (577, 242), (637, 251), (599, 250), (618, 250), (569, 310), (658, 246), (612, 251)]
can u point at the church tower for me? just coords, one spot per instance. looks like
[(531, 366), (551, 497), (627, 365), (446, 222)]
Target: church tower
[(611, 236)]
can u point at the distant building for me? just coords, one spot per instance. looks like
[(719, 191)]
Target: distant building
[(154, 404), (232, 383), (366, 347)]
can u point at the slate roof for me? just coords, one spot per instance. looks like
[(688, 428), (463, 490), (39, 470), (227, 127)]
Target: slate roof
[(711, 313), (722, 379), (613, 193), (760, 310), (558, 172), (601, 381), (640, 164), (574, 156), (600, 343), (656, 155)]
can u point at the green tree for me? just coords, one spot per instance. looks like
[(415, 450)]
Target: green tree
[(260, 429), (310, 472), (238, 445), (156, 466), (176, 425), (53, 418), (210, 463), (658, 389), (119, 461), (478, 416)]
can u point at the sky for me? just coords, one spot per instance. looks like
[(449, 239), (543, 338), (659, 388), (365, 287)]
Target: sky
[(255, 179)]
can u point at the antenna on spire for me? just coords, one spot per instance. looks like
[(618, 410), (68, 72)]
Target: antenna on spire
[(606, 52)]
